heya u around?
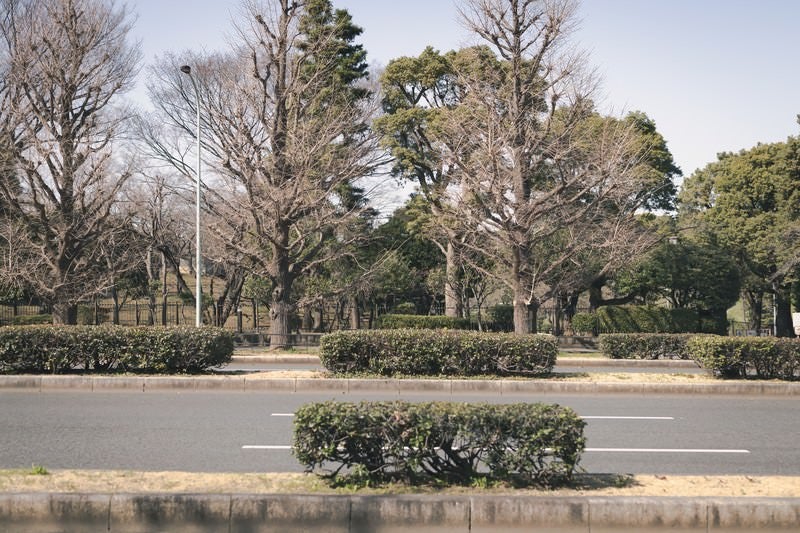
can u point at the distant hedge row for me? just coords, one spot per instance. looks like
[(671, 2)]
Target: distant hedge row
[(395, 321), (437, 352), (645, 319), (730, 357), (60, 349), (442, 441)]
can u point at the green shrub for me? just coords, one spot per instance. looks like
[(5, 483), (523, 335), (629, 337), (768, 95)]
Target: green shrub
[(440, 441), (58, 349), (502, 317), (645, 345), (392, 321), (27, 320), (653, 319), (404, 308), (584, 323), (437, 352), (740, 357)]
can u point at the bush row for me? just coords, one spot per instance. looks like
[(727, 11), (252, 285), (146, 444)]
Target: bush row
[(26, 320), (437, 352), (442, 441), (645, 319), (645, 345), (739, 357), (59, 349), (393, 321), (730, 357)]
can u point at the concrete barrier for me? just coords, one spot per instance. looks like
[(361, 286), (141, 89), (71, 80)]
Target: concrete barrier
[(247, 513), (500, 387)]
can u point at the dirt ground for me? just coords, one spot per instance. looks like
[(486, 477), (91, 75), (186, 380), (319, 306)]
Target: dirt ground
[(88, 481)]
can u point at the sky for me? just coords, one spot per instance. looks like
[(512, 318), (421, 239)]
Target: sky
[(715, 75)]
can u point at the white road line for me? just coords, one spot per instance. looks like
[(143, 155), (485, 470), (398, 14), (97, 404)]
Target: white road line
[(628, 417), (599, 417), (598, 450), (662, 450)]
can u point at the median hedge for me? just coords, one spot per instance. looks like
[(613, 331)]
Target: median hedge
[(61, 349), (741, 357), (439, 441), (437, 352), (645, 345)]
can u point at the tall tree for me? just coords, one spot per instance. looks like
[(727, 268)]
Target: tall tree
[(285, 124), (751, 201), (539, 181), (65, 63), (416, 91)]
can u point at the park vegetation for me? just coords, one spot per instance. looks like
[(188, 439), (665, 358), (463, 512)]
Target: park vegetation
[(529, 201)]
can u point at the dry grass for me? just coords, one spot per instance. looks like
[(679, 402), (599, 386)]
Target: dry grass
[(91, 481)]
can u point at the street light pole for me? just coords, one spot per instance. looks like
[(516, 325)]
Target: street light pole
[(198, 292)]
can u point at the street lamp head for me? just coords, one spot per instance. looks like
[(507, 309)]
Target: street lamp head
[(186, 69)]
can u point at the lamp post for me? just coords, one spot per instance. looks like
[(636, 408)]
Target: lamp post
[(198, 293)]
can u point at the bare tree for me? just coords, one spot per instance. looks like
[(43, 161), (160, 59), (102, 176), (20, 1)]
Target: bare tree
[(285, 135), (542, 180), (65, 63)]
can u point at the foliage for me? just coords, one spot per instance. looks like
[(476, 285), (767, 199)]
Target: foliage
[(645, 345), (749, 201), (440, 441), (741, 357), (584, 322), (397, 321), (502, 316), (28, 320), (652, 319), (437, 352), (689, 274), (58, 349)]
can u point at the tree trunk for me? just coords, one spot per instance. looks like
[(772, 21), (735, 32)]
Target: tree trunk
[(355, 314), (115, 306), (453, 304), (783, 312), (280, 309), (65, 314), (522, 323), (755, 309)]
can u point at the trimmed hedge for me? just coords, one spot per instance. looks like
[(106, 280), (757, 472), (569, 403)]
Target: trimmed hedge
[(440, 441), (645, 345), (741, 357), (653, 319), (60, 349), (394, 321), (27, 320), (434, 353)]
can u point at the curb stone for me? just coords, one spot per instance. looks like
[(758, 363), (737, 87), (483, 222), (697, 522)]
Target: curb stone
[(179, 513), (500, 387)]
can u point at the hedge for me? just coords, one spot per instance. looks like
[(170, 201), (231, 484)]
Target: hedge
[(60, 349), (645, 345), (394, 321), (435, 353), (650, 319), (741, 357), (440, 441)]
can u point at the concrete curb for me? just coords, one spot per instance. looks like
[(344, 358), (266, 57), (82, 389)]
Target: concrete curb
[(564, 361), (178, 513), (401, 387)]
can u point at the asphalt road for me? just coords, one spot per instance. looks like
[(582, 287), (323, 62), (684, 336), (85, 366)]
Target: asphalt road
[(250, 432)]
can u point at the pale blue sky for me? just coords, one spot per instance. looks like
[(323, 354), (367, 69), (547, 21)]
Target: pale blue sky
[(715, 75)]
